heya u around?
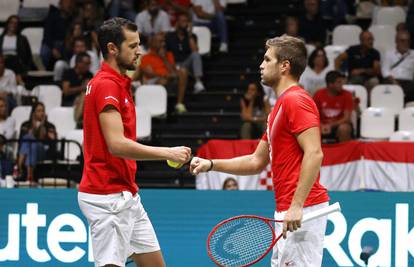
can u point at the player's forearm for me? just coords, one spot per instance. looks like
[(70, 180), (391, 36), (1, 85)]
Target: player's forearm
[(244, 165), (310, 167), (129, 149)]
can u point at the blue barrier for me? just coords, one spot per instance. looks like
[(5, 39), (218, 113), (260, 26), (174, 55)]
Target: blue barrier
[(45, 227)]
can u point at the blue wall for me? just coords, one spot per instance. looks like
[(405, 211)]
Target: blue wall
[(183, 219)]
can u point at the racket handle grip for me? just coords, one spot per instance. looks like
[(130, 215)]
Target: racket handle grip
[(321, 212)]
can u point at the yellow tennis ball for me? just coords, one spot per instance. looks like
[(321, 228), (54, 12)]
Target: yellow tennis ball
[(174, 164)]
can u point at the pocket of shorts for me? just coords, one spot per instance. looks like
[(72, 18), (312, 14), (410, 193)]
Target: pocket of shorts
[(124, 201)]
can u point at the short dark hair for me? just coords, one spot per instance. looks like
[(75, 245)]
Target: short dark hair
[(79, 57), (291, 49), (313, 56), (332, 76), (111, 31)]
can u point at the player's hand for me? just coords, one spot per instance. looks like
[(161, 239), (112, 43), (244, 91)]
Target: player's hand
[(180, 154), (292, 220), (198, 165)]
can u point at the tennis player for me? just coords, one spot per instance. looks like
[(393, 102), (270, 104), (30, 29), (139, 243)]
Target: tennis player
[(108, 198), (292, 144)]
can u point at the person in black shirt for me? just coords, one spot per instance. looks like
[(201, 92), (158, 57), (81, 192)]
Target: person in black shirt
[(363, 62), (182, 43), (74, 80), (311, 25)]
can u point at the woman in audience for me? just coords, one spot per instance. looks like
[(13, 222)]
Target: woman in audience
[(230, 184), (313, 78), (37, 128), (16, 49), (252, 112), (7, 123)]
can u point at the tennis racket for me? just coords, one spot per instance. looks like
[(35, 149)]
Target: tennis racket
[(244, 240)]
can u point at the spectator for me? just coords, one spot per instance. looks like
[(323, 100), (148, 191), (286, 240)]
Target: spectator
[(57, 22), (335, 106), (152, 20), (363, 62), (158, 67), (252, 113), (122, 8), (16, 49), (230, 184), (334, 12), (210, 13), (182, 43), (410, 21), (78, 110), (398, 65), (311, 25), (175, 8), (75, 31), (91, 17), (8, 85), (37, 128), (79, 46), (75, 79), (7, 123), (292, 26), (313, 78)]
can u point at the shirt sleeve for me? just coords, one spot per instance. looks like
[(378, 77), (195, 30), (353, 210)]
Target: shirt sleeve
[(301, 113), (349, 102), (107, 93)]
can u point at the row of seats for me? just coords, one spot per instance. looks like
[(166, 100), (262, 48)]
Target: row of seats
[(63, 119), (384, 95), (379, 122)]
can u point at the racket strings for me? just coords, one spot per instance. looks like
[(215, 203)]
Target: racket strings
[(240, 241)]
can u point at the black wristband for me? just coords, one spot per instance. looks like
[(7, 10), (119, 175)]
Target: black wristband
[(211, 165)]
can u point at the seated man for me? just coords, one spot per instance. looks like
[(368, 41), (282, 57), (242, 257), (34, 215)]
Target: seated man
[(363, 62), (158, 67), (74, 80), (182, 43), (311, 26), (210, 13), (152, 20), (398, 65), (335, 106)]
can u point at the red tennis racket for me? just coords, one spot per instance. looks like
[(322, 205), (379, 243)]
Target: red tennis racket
[(244, 240)]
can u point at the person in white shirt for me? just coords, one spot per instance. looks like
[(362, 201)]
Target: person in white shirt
[(210, 13), (152, 20), (79, 46), (313, 78), (7, 123), (398, 65), (8, 84)]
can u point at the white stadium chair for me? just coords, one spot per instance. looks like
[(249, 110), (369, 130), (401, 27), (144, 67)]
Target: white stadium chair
[(360, 92), (406, 119), (50, 95), (310, 48), (20, 114), (346, 35), (377, 123), (7, 8), (144, 126), (384, 36), (388, 96), (203, 39), (63, 119), (229, 2), (72, 150), (402, 136), (153, 98), (390, 16), (332, 52), (34, 36)]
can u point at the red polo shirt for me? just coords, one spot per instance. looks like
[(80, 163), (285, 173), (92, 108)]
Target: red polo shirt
[(103, 173)]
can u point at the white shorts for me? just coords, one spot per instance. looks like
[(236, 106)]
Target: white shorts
[(304, 247), (119, 226)]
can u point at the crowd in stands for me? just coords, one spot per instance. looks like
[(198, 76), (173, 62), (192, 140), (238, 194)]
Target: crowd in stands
[(170, 58)]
